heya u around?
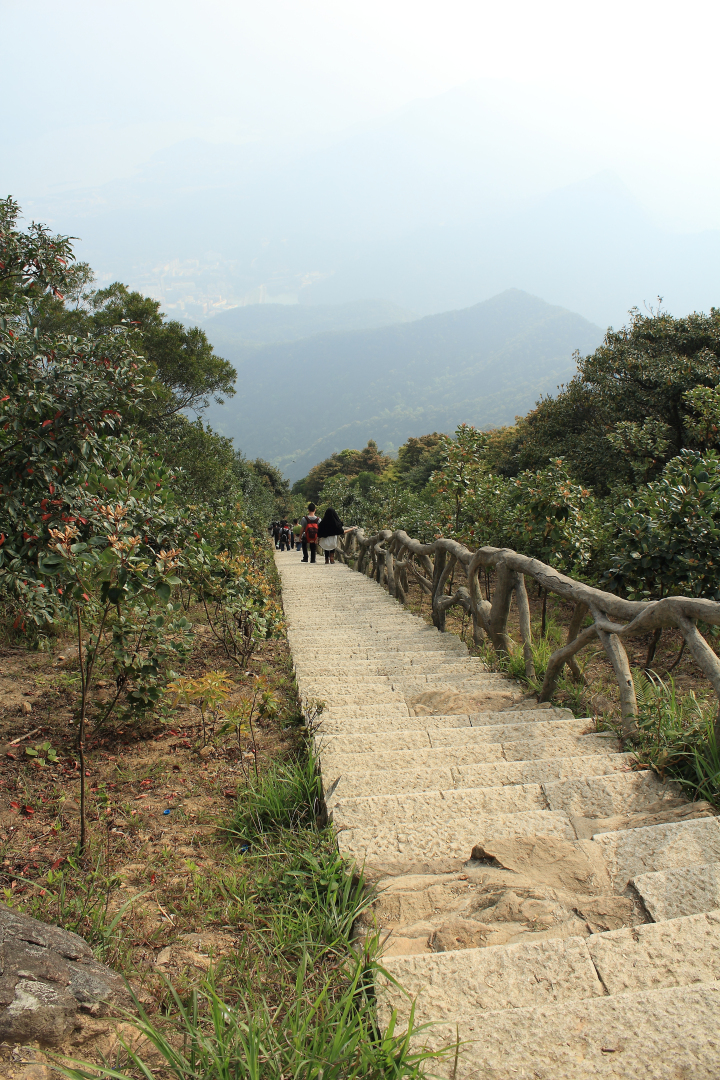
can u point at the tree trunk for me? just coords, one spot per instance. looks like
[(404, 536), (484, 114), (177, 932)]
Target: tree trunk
[(652, 646)]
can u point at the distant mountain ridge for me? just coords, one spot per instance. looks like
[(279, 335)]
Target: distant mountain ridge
[(299, 401), (265, 324)]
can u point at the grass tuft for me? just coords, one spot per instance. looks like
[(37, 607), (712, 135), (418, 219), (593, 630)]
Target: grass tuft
[(287, 796), (677, 736), (325, 1036)]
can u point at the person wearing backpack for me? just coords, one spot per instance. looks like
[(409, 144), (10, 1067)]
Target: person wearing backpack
[(310, 523), (285, 535)]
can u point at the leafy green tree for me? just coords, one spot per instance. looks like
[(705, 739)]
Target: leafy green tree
[(462, 463), (183, 359), (202, 461), (345, 463), (32, 263), (636, 402), (383, 505), (555, 519), (667, 535), (418, 459), (60, 418)]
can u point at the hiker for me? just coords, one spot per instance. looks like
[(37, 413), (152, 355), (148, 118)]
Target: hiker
[(297, 533), (285, 537), (276, 533), (310, 523), (330, 530)]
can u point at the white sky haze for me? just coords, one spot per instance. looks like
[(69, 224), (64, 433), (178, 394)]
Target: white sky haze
[(97, 87), (527, 97)]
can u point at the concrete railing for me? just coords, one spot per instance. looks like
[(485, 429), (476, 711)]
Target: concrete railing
[(393, 558)]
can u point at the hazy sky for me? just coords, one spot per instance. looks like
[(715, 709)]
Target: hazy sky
[(96, 88)]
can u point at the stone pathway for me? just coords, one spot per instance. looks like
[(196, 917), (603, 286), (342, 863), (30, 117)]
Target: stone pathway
[(556, 909)]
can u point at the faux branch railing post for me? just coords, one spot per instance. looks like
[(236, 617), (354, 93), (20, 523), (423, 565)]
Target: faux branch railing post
[(392, 558)]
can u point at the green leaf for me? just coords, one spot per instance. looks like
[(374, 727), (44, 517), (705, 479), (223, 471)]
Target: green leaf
[(163, 590)]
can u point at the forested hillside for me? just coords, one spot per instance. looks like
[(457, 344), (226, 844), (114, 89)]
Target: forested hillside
[(300, 401)]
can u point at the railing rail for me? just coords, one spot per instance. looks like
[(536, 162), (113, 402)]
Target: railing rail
[(394, 557)]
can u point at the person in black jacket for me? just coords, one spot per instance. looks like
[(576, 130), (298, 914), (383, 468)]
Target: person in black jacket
[(330, 530)]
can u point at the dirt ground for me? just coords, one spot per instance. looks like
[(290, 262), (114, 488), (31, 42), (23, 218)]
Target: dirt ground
[(153, 894)]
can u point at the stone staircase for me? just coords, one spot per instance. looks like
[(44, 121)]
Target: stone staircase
[(543, 902)]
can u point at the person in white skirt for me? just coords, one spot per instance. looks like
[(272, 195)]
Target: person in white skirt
[(330, 530)]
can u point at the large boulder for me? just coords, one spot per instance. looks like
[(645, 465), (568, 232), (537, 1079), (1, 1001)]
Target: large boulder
[(48, 977)]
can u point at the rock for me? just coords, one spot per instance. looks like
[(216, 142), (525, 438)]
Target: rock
[(460, 934), (47, 977), (35, 1072), (483, 905), (449, 702), (660, 813), (560, 863), (603, 913)]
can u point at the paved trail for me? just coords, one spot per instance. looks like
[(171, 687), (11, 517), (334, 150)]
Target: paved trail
[(582, 938)]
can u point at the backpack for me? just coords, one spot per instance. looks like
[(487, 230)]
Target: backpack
[(286, 534), (311, 530)]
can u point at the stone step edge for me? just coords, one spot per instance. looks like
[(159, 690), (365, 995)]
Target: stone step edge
[(451, 720), (527, 974), (592, 780), (472, 729), (579, 758), (689, 887), (614, 1038), (594, 738)]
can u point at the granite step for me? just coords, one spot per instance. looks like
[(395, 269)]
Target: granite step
[(447, 840), (625, 850), (527, 749), (633, 852), (360, 783), (403, 663), (406, 684), (435, 807), (457, 986), (666, 1034), (687, 890), (417, 739), (594, 797), (367, 726)]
